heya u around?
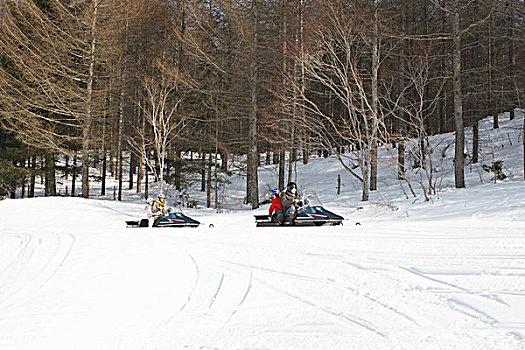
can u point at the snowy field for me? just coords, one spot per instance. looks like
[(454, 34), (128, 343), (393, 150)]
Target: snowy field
[(443, 274)]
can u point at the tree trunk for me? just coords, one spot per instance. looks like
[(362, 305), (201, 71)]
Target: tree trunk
[(282, 158), (375, 98), (248, 178), (512, 61), (208, 182), (120, 140), (131, 170), (74, 176), (146, 183), (203, 171), (254, 83), (104, 156), (86, 132), (304, 137), (290, 164), (475, 142), (402, 115), (459, 170), (224, 161), (178, 170), (365, 186), (50, 182), (104, 171), (443, 93), (32, 178), (492, 74), (216, 180), (143, 170)]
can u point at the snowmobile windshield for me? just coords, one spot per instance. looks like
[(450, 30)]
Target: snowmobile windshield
[(310, 199)]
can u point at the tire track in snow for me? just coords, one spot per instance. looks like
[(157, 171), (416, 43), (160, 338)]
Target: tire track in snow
[(165, 322), (192, 292), (472, 312), (454, 286), (14, 261), (168, 320), (335, 283), (347, 318), (216, 292), (34, 267), (228, 318), (283, 273)]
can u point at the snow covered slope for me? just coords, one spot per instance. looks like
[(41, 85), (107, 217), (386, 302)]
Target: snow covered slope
[(443, 274), (75, 278)]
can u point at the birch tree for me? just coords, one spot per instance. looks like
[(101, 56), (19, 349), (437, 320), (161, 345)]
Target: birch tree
[(163, 96)]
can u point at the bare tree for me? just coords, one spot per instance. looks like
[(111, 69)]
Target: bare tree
[(48, 94), (163, 97), (414, 104), (330, 59)]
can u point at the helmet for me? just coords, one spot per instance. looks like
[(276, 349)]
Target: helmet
[(291, 185), (276, 191), (149, 200), (161, 196)]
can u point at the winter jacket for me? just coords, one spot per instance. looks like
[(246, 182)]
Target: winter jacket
[(276, 205), (288, 199), (151, 213), (159, 208)]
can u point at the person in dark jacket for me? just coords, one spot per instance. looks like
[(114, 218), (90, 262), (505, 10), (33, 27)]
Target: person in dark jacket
[(291, 201), (276, 208)]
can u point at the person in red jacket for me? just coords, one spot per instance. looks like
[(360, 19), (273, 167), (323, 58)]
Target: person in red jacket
[(276, 208)]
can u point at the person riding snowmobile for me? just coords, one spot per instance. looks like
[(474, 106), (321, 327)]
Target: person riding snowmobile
[(159, 208), (291, 201), (149, 209), (276, 208)]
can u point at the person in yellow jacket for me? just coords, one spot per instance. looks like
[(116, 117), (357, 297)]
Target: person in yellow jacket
[(159, 209)]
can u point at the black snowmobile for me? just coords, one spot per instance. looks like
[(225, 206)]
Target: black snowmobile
[(307, 215), (173, 219)]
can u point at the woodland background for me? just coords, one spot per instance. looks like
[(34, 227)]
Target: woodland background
[(189, 90)]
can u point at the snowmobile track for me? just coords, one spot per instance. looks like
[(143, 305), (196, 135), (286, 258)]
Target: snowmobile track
[(37, 261)]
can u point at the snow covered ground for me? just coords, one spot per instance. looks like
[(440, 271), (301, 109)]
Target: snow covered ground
[(443, 274)]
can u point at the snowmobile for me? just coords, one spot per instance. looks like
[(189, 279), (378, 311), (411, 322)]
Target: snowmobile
[(307, 215), (173, 219)]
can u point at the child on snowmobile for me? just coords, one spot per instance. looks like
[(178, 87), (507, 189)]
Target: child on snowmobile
[(159, 208), (276, 208), (291, 201), (149, 209)]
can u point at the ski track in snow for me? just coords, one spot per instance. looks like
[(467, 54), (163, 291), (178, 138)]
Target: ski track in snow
[(31, 266)]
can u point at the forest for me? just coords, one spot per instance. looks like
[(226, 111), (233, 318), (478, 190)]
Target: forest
[(185, 90)]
